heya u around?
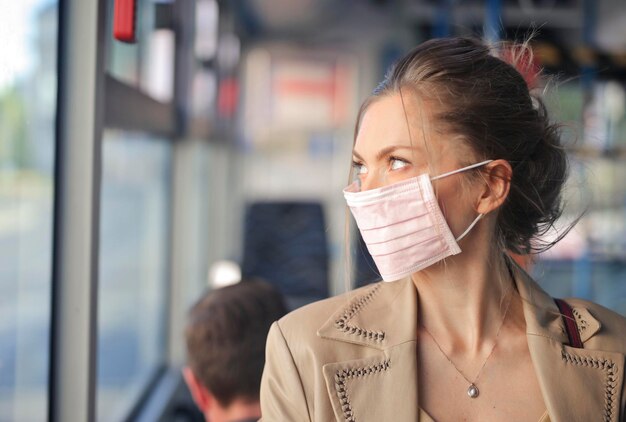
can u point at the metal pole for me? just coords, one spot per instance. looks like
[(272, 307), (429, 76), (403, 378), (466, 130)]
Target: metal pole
[(443, 16), (582, 278), (182, 156), (76, 211), (589, 28), (493, 21)]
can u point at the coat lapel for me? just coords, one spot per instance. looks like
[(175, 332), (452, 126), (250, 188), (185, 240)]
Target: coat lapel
[(384, 318), (576, 384), (375, 388), (380, 316)]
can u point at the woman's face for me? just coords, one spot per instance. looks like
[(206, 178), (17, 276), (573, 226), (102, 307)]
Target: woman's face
[(387, 151)]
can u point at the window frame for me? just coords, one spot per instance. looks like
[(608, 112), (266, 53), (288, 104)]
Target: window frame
[(73, 337)]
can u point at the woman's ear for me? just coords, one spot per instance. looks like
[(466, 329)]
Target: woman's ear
[(497, 177)]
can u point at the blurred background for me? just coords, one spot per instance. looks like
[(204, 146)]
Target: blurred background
[(222, 144)]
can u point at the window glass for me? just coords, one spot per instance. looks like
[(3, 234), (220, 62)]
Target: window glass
[(147, 64), (133, 268), (590, 262), (28, 84), (197, 214)]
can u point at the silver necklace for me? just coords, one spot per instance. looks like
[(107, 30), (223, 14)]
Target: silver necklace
[(472, 390)]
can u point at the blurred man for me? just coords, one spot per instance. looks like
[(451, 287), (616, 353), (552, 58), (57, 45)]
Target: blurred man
[(225, 337)]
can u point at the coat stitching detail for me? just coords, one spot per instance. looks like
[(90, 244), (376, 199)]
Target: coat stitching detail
[(345, 374), (342, 323), (610, 368)]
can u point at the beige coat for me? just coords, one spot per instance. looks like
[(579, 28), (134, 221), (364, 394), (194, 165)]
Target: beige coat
[(353, 358)]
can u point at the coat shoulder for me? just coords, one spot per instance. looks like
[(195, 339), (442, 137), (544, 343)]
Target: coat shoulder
[(612, 333)]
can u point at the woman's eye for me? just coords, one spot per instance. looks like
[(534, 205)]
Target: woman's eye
[(359, 168), (397, 163)]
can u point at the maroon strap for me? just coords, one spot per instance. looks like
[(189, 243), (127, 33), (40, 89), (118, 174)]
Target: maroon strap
[(570, 323)]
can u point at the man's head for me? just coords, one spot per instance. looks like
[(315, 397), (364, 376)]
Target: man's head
[(225, 335)]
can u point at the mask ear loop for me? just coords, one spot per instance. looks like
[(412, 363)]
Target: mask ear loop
[(471, 226), (450, 173)]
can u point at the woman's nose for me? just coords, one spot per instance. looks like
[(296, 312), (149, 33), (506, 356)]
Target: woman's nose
[(372, 181)]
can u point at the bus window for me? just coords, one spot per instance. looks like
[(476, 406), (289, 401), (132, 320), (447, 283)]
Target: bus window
[(133, 267), (28, 83)]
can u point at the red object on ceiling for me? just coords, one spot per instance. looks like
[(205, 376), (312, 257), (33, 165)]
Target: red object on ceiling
[(125, 20)]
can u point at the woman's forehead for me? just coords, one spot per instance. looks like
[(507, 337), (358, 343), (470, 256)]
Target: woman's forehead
[(395, 120)]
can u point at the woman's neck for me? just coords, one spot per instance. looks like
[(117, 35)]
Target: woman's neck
[(463, 300)]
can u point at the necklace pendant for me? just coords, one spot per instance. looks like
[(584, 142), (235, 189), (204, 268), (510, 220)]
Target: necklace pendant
[(472, 391)]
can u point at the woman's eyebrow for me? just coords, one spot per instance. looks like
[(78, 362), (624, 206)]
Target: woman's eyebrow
[(393, 148), (386, 151), (357, 155)]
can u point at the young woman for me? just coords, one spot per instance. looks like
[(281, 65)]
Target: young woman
[(457, 166)]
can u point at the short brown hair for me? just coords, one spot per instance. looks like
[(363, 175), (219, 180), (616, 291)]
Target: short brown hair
[(226, 333)]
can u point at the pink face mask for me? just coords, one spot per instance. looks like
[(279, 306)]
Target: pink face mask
[(403, 226)]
